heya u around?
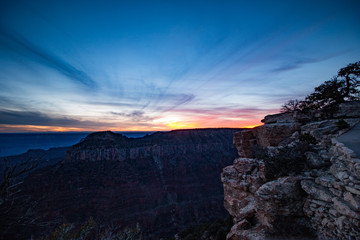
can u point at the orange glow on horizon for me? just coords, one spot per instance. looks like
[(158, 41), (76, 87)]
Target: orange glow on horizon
[(167, 126), (253, 126), (181, 125)]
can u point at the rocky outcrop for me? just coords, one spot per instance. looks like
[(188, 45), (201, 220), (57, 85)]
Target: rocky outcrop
[(318, 200), (165, 182), (268, 135), (265, 206)]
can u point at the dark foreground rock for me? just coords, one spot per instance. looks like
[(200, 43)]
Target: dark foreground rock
[(294, 179)]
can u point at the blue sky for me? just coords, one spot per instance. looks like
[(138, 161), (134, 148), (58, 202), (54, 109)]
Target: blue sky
[(159, 65)]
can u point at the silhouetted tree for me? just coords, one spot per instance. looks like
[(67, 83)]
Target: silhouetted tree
[(327, 94), (291, 106), (351, 75), (343, 87)]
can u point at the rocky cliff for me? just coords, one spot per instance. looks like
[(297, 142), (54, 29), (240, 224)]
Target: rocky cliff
[(293, 179), (165, 182)]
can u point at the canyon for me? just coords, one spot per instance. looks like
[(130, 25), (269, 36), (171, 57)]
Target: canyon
[(164, 182)]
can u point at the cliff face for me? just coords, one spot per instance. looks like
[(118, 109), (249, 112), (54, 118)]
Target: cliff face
[(115, 147), (295, 179), (164, 182)]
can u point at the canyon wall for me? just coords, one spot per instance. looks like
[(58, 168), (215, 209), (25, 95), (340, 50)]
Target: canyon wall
[(294, 180), (165, 182)]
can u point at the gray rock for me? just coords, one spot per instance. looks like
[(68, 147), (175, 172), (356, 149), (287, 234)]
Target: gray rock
[(332, 198), (348, 110), (244, 165), (353, 201), (279, 118), (344, 209), (314, 160), (316, 191)]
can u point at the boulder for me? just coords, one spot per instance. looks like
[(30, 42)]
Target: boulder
[(282, 197), (316, 191)]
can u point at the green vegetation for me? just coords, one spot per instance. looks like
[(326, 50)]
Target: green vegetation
[(344, 87)]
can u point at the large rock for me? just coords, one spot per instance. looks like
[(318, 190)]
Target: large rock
[(275, 134), (316, 191), (241, 181), (280, 198)]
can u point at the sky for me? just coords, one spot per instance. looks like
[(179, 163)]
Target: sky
[(161, 65)]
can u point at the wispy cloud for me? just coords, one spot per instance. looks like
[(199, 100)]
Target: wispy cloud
[(137, 116), (15, 42), (169, 102), (294, 63), (219, 112)]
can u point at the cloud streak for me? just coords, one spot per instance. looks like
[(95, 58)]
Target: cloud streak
[(219, 112), (17, 43), (37, 118), (292, 64)]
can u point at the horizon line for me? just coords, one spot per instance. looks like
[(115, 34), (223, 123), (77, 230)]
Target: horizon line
[(129, 131)]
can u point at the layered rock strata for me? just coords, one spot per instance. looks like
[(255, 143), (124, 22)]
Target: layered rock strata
[(165, 182), (320, 200)]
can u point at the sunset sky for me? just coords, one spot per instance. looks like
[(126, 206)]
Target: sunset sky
[(160, 65)]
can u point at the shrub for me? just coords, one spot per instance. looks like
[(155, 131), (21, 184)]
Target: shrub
[(308, 138), (341, 124), (288, 160)]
